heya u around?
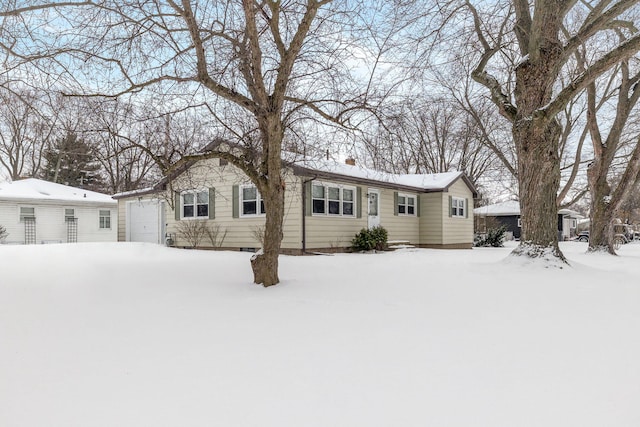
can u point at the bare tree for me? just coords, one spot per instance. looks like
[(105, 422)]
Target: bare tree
[(429, 136), (264, 64), (547, 34), (135, 142), (607, 204), (27, 126)]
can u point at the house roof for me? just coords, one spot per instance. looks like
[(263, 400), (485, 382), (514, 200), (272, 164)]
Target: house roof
[(139, 192), (32, 189), (570, 213), (512, 207), (329, 169), (413, 182)]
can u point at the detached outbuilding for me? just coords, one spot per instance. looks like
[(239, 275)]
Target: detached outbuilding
[(508, 214), (34, 211), (326, 204)]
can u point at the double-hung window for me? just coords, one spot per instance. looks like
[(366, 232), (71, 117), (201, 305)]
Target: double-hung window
[(27, 213), (195, 204), (251, 203), (69, 214), (105, 219), (458, 207), (332, 199), (406, 204)]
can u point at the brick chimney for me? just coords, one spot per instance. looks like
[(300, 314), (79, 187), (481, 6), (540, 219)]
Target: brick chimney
[(350, 161)]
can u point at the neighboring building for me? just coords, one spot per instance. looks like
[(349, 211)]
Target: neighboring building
[(326, 204), (508, 214), (35, 211)]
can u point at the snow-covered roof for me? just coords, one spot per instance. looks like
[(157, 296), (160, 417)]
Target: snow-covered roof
[(37, 189), (333, 169), (570, 213), (134, 192), (434, 181), (512, 207)]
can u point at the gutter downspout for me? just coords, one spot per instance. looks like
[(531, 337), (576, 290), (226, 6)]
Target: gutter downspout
[(304, 213)]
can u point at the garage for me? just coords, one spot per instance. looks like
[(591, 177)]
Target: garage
[(145, 221)]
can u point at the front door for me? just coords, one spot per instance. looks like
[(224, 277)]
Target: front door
[(374, 208)]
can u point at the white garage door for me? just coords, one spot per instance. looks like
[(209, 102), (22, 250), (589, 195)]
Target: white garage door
[(145, 222)]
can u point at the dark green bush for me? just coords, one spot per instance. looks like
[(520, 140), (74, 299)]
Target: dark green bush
[(493, 238), (3, 233), (369, 239)]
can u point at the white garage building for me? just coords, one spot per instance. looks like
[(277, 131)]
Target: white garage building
[(34, 211), (142, 213)]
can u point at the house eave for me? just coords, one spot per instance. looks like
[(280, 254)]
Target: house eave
[(54, 201), (316, 174)]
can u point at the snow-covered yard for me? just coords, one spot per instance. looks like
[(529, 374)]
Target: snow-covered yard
[(142, 335)]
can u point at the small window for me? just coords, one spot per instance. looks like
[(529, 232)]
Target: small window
[(334, 201), (251, 201), (406, 205), (195, 204), (317, 193), (105, 219), (27, 213), (69, 214), (457, 207), (347, 201), (519, 222), (202, 204)]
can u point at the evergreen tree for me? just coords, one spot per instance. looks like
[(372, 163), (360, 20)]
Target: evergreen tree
[(70, 161)]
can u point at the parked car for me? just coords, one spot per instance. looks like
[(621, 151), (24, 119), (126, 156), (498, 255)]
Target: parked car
[(583, 236)]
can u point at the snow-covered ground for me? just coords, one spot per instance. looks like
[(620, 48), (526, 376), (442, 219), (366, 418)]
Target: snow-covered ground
[(142, 335)]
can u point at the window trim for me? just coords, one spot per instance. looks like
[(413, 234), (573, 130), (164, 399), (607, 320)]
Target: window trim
[(67, 217), (21, 218), (455, 208), (341, 187), (195, 204), (101, 216), (259, 202), (406, 204)]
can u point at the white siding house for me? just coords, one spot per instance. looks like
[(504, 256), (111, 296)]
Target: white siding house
[(34, 211)]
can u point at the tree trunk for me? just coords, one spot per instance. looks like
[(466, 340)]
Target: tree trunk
[(536, 138), (538, 180), (601, 215), (605, 206), (265, 262), (271, 186)]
